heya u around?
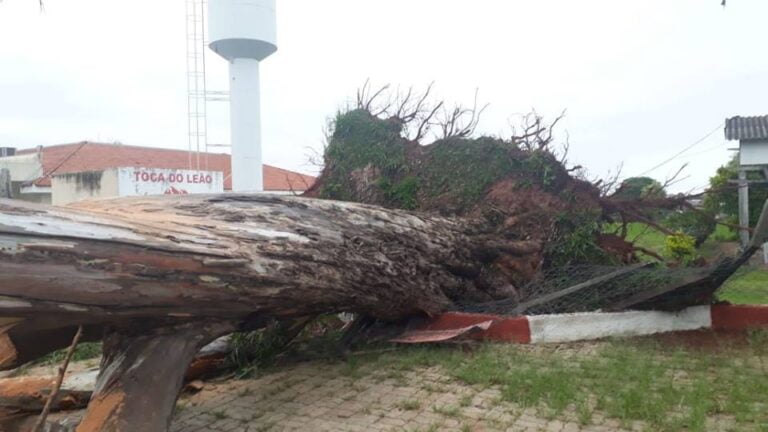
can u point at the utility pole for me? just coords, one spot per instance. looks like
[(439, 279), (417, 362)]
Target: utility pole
[(5, 183), (743, 208)]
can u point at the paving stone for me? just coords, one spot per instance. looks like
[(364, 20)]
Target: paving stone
[(318, 397)]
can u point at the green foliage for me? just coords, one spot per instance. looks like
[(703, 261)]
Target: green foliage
[(574, 241), (460, 170), (541, 167), (723, 197), (83, 351), (724, 234), (697, 224), (401, 194), (680, 247), (360, 140), (450, 175), (639, 187), (255, 350)]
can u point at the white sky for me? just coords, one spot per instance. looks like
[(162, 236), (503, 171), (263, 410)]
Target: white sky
[(640, 79)]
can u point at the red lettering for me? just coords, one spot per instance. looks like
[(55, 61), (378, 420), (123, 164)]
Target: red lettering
[(208, 179), (137, 175), (144, 176)]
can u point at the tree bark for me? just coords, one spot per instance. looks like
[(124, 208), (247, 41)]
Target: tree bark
[(229, 256), (158, 277), (140, 377)]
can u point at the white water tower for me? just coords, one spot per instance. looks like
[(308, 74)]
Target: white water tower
[(244, 33)]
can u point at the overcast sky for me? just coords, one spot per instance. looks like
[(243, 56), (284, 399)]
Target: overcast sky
[(640, 79)]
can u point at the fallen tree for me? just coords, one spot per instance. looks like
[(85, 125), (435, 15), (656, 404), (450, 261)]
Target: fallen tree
[(157, 278)]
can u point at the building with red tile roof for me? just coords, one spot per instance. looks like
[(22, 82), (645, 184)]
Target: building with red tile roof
[(64, 173), (91, 156)]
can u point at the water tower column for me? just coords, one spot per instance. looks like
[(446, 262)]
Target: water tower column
[(243, 32), (245, 125)]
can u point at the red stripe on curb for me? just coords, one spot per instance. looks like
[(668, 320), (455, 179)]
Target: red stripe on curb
[(516, 330), (737, 317), (503, 329)]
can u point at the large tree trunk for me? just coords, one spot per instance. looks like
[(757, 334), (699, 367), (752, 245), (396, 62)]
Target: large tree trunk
[(230, 256), (176, 272), (140, 377)]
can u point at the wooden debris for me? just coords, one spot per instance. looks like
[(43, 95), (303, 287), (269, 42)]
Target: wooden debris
[(30, 393), (57, 386)]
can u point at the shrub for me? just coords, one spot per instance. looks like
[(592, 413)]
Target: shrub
[(680, 247), (697, 224)]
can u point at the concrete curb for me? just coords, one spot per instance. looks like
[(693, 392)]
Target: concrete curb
[(597, 325)]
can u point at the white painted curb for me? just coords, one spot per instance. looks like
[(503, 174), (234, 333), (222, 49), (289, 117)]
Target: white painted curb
[(597, 325)]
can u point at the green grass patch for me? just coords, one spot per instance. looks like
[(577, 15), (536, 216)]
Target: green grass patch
[(724, 234), (637, 381), (642, 235), (646, 236), (83, 351), (652, 239), (447, 410), (747, 286), (409, 405)]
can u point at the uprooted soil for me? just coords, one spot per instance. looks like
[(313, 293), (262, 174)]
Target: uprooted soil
[(535, 212)]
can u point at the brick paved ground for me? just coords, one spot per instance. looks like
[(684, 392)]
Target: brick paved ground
[(318, 397)]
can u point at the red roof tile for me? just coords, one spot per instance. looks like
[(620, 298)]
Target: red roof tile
[(90, 156)]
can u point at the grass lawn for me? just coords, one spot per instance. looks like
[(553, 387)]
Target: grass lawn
[(747, 286), (653, 239), (646, 236), (83, 351), (638, 380)]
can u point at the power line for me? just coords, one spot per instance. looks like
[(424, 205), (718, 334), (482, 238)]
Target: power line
[(699, 141)]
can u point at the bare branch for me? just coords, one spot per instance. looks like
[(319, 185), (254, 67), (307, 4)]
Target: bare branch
[(674, 178), (426, 122), (460, 122), (366, 100)]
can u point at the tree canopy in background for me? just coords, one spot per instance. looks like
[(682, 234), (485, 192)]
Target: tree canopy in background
[(723, 197), (640, 187)]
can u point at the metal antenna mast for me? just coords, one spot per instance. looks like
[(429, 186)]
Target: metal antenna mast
[(196, 90), (198, 94)]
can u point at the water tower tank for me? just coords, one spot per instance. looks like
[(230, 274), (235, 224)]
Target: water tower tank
[(244, 33)]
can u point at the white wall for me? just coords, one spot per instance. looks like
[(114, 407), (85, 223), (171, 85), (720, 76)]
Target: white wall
[(753, 152), (132, 181), (67, 188), (23, 168)]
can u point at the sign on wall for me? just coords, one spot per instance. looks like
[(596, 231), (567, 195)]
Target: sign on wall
[(150, 181)]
